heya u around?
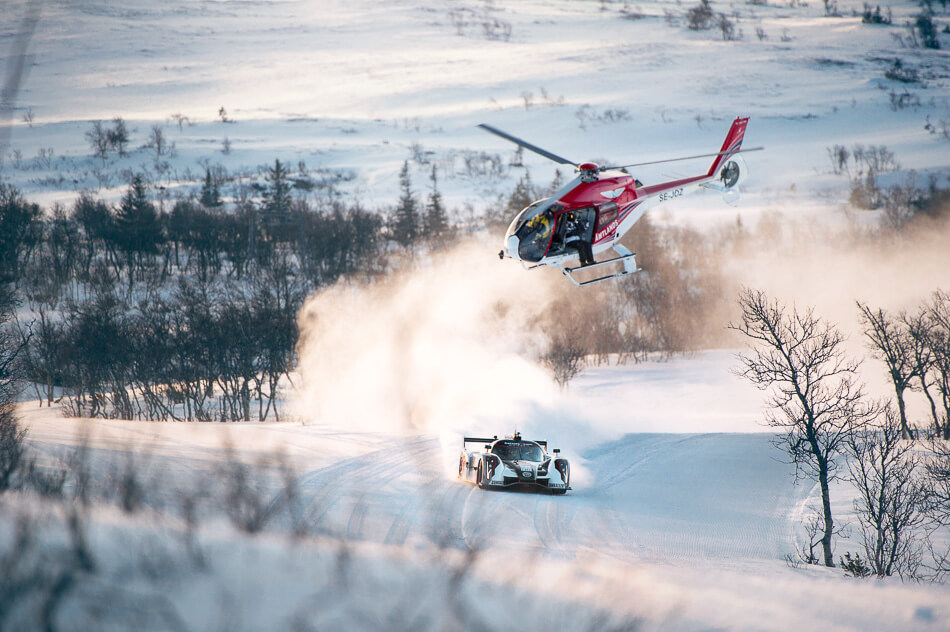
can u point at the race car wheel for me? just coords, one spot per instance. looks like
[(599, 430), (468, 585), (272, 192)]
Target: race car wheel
[(478, 477), (461, 465)]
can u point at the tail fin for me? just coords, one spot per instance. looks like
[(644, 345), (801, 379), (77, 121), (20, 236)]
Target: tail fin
[(731, 145)]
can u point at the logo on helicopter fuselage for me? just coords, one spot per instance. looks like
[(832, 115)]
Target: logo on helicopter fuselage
[(614, 194), (609, 229)]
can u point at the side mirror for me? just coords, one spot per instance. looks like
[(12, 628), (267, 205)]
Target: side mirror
[(487, 447), (557, 450)]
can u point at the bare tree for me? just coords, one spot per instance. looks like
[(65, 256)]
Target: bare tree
[(815, 394), (12, 435), (892, 344), (926, 347), (814, 534), (180, 119), (118, 136), (156, 142), (938, 312), (565, 358), (891, 496), (99, 140), (939, 470)]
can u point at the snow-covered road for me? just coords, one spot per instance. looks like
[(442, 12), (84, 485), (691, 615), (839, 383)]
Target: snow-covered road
[(718, 498)]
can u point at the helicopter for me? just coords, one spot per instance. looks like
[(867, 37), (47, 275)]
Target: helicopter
[(591, 213)]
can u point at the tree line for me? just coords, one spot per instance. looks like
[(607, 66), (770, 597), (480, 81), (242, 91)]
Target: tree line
[(132, 311)]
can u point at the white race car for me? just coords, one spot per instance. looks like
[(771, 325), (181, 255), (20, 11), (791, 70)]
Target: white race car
[(513, 461)]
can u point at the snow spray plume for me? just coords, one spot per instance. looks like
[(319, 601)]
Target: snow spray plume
[(829, 267), (446, 346)]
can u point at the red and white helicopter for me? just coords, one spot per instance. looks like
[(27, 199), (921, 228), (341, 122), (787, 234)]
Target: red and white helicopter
[(590, 214)]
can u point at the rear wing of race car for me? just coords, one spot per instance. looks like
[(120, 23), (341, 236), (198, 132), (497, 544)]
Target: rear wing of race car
[(465, 440), (477, 440)]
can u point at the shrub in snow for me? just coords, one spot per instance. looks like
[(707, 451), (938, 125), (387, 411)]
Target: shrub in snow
[(854, 566), (875, 17), (899, 72), (728, 28), (700, 17), (928, 32)]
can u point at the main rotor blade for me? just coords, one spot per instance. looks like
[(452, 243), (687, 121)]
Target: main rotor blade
[(527, 145), (657, 162)]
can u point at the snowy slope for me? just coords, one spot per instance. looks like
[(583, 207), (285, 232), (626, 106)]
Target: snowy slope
[(361, 86)]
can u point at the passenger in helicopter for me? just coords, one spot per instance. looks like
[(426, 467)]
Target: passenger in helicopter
[(575, 238)]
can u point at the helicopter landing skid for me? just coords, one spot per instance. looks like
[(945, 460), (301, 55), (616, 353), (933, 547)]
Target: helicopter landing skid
[(625, 256)]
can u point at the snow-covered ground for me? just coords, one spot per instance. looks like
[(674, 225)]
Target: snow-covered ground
[(682, 529), (682, 513)]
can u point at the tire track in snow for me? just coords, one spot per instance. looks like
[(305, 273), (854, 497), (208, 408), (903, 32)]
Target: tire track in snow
[(711, 509), (447, 515), (548, 524), (442, 502), (661, 447), (604, 524), (407, 508), (478, 516), (332, 483)]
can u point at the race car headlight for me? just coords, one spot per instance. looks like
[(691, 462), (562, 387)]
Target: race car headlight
[(543, 468), (491, 462)]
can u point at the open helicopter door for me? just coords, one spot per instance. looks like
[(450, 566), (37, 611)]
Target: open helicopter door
[(624, 257)]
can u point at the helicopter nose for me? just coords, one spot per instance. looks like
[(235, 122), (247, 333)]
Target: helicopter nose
[(511, 246)]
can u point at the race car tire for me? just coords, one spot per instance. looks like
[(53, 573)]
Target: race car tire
[(478, 477), (461, 465)]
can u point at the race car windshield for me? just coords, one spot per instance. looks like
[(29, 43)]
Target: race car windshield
[(518, 452)]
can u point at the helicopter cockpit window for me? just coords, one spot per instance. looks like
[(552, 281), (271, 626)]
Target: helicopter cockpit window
[(534, 233)]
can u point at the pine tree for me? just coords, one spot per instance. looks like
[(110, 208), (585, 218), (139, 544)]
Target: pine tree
[(137, 226), (557, 182), (277, 198), (210, 194), (406, 224), (523, 195), (436, 222)]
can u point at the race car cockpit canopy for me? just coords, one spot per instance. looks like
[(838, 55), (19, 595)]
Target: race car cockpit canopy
[(512, 450)]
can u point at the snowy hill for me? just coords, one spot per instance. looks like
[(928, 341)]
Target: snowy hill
[(360, 88)]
